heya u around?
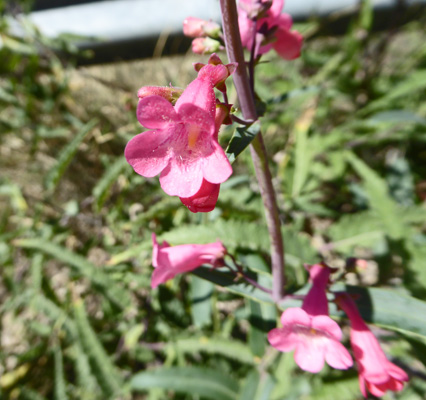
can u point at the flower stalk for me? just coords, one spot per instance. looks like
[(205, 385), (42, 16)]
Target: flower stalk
[(257, 148)]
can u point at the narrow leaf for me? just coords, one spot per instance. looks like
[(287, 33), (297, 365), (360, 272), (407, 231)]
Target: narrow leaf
[(60, 385), (102, 366), (114, 292), (100, 191), (379, 198), (207, 383), (229, 348), (201, 301), (66, 155)]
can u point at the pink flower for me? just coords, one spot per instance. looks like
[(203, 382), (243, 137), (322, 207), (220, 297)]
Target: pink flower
[(196, 27), (182, 144), (269, 28), (310, 331), (170, 261), (376, 373), (205, 199)]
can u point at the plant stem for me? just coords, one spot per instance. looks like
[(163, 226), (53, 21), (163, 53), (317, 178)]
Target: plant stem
[(235, 52)]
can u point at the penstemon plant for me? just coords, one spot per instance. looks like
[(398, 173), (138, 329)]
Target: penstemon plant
[(181, 146)]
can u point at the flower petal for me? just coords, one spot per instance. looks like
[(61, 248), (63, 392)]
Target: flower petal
[(178, 259), (194, 115), (288, 44), (199, 93), (325, 324), (155, 112), (148, 152), (216, 166), (337, 356), (181, 177), (309, 357), (204, 200), (276, 8), (297, 316), (283, 339)]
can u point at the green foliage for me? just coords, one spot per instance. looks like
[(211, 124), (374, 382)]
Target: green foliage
[(344, 130), (66, 155), (104, 370), (241, 139), (204, 382)]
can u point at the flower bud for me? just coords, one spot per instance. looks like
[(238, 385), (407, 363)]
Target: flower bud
[(205, 46), (170, 93), (196, 27)]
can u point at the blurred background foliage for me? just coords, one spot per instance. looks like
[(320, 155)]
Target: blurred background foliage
[(345, 128)]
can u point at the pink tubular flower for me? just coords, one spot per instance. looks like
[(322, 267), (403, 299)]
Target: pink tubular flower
[(205, 199), (376, 373), (182, 144), (170, 261), (309, 330), (268, 25)]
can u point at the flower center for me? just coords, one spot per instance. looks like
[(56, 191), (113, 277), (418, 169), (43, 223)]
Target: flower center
[(193, 133)]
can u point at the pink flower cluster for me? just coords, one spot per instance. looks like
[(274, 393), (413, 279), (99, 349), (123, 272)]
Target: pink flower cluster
[(309, 330), (264, 27), (315, 337), (205, 34), (182, 143)]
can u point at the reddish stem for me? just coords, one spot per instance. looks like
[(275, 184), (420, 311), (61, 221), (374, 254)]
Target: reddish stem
[(235, 52)]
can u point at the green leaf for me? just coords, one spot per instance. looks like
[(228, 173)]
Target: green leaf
[(100, 191), (88, 388), (55, 313), (266, 387), (234, 233), (60, 385), (262, 318), (228, 281), (397, 116), (415, 81), (201, 301), (241, 138), (112, 290), (66, 155), (379, 198), (229, 348), (249, 388), (103, 368), (29, 394), (351, 230), (344, 389), (244, 235), (203, 382)]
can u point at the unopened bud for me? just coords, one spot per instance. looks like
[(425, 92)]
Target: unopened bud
[(205, 46), (196, 27), (170, 93)]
